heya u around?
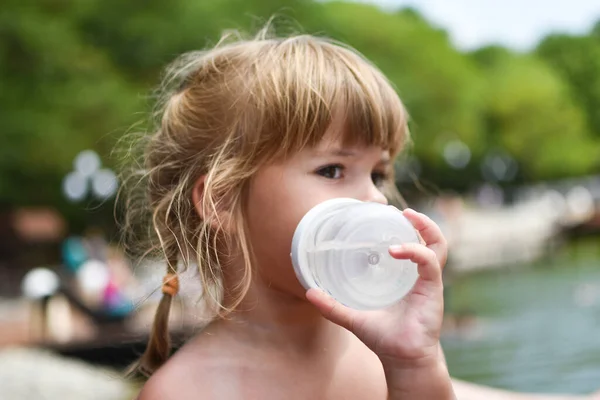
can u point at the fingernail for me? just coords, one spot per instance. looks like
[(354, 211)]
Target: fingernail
[(318, 292), (396, 247)]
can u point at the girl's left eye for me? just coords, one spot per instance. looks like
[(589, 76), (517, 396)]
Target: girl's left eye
[(331, 171), (378, 178)]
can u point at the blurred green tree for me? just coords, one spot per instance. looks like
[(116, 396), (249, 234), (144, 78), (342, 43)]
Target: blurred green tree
[(77, 74), (530, 113), (58, 96), (577, 60)]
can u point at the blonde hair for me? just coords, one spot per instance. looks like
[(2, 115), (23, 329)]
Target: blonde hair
[(225, 112)]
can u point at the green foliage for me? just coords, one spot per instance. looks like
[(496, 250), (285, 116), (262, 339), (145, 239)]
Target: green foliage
[(76, 75), (530, 113), (577, 60), (438, 84), (58, 95)]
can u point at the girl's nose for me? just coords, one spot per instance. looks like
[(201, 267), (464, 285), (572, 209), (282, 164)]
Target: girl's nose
[(374, 195)]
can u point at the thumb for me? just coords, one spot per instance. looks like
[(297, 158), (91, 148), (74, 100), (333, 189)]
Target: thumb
[(332, 309)]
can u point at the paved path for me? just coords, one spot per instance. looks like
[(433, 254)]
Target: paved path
[(40, 375)]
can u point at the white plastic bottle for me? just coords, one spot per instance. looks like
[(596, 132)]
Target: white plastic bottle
[(341, 246)]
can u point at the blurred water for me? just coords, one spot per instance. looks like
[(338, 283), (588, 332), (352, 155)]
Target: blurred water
[(535, 328)]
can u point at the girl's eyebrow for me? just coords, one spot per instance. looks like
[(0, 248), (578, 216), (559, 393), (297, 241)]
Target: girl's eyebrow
[(385, 160), (340, 152)]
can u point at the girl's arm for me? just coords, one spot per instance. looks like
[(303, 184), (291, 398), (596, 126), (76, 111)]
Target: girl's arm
[(430, 382)]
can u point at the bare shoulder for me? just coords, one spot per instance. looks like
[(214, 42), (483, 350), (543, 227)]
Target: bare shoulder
[(205, 369), (181, 379), (157, 387)]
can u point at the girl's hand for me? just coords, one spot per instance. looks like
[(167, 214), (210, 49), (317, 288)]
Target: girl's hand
[(406, 334)]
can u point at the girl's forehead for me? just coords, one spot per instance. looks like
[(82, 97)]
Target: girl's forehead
[(340, 134), (337, 148), (339, 143)]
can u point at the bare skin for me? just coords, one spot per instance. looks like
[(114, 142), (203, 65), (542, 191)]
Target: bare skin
[(199, 373), (279, 345), (239, 359)]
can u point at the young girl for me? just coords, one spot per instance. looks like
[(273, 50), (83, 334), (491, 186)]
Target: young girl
[(251, 135), (255, 133)]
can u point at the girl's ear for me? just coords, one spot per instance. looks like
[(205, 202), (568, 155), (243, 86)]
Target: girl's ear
[(218, 217)]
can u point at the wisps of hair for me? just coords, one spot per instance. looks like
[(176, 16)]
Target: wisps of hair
[(223, 113)]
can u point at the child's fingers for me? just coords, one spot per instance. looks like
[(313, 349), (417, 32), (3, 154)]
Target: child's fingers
[(424, 257), (430, 232), (333, 310)]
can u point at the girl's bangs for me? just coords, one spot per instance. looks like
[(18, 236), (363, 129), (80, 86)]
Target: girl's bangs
[(321, 81)]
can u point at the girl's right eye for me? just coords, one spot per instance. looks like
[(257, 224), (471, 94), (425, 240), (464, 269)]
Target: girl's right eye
[(331, 171)]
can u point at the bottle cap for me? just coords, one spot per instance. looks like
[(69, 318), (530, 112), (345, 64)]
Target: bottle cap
[(341, 246)]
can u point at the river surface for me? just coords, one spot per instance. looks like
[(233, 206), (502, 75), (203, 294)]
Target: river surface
[(533, 328)]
